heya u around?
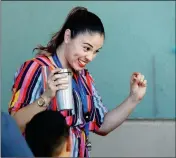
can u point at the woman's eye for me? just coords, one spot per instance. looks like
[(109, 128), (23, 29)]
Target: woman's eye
[(96, 52), (86, 49)]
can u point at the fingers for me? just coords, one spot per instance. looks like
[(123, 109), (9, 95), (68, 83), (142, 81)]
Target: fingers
[(59, 76), (57, 80), (144, 83), (139, 79), (60, 82), (61, 86), (135, 74), (55, 71)]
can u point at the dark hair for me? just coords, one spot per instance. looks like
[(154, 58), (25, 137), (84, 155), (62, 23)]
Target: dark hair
[(79, 20), (46, 132)]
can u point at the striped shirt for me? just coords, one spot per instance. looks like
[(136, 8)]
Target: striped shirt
[(30, 82)]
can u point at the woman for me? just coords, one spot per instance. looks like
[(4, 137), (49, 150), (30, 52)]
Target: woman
[(37, 81)]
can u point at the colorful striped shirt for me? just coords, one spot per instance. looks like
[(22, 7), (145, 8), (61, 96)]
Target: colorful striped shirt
[(30, 82)]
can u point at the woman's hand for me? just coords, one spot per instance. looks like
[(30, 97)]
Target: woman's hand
[(138, 86), (56, 81)]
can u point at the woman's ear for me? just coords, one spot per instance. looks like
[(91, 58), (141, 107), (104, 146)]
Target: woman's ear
[(67, 36)]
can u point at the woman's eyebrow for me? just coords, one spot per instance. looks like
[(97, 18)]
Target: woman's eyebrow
[(88, 44)]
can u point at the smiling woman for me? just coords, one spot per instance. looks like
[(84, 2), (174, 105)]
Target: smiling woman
[(80, 50), (37, 81)]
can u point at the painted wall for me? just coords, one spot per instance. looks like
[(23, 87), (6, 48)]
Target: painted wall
[(140, 36)]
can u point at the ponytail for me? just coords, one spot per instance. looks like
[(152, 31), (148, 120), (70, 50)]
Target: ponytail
[(58, 37), (78, 20)]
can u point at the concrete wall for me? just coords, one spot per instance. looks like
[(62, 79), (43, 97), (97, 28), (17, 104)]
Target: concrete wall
[(137, 139)]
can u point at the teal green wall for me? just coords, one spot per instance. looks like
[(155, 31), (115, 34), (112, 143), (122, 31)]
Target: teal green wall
[(137, 33)]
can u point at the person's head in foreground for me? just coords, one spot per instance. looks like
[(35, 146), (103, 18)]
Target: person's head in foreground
[(47, 134)]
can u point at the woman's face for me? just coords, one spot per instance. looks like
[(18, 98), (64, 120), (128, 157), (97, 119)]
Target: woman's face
[(82, 49)]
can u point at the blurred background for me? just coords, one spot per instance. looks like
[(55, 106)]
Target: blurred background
[(140, 36)]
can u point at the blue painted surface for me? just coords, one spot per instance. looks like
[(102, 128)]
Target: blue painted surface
[(135, 32)]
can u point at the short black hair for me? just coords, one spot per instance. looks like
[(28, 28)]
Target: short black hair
[(45, 132)]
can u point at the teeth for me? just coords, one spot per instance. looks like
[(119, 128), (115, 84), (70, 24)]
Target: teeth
[(82, 62)]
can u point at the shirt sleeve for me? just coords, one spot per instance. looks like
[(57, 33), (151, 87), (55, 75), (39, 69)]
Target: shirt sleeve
[(27, 85), (100, 109), (13, 143)]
